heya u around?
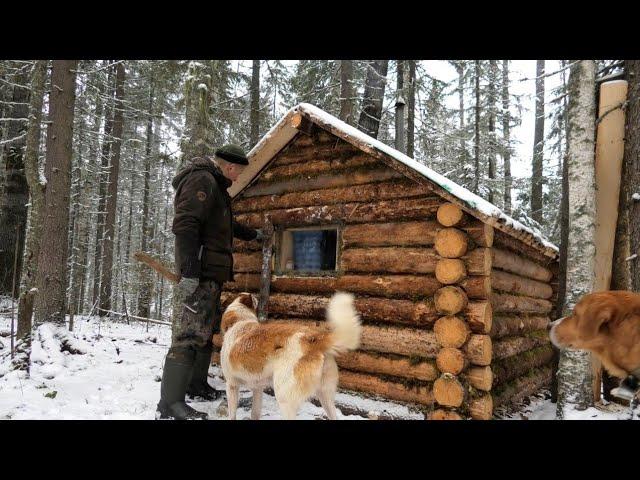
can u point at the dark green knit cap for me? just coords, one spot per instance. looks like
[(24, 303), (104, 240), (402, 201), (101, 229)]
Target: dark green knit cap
[(232, 153)]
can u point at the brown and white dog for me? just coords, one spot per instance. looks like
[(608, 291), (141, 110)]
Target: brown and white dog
[(298, 360), (606, 324)]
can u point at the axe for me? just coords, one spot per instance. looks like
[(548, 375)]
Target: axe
[(162, 269)]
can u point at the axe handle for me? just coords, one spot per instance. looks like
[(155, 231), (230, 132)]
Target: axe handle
[(158, 266)]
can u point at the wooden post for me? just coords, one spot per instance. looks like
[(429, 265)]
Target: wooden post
[(265, 280), (608, 167)]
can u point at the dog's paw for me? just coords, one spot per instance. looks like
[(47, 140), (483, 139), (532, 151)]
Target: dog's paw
[(222, 410)]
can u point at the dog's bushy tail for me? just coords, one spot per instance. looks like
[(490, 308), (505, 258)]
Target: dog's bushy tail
[(344, 321)]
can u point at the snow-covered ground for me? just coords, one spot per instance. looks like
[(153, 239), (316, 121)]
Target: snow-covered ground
[(118, 377), (539, 407)]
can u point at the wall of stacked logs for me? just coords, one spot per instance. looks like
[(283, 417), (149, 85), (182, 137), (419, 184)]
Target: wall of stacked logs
[(524, 283), (454, 314)]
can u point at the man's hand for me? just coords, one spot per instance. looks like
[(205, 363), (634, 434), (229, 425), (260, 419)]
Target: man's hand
[(186, 287)]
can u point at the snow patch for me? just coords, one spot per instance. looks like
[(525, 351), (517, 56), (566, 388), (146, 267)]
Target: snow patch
[(118, 377)]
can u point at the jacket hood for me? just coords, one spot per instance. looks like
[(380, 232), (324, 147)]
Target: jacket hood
[(200, 163)]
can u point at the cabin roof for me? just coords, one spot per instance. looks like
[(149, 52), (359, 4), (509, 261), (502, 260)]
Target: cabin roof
[(285, 130)]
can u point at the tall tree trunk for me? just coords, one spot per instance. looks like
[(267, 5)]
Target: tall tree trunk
[(493, 78), (77, 211), (76, 187), (83, 246), (346, 91), (562, 268), (36, 210), (632, 162), (144, 296), (622, 264), (463, 142), (112, 194), (164, 248), (127, 253), (120, 277), (400, 108), (376, 80), (506, 131), (255, 102), (564, 238), (411, 106), (197, 139), (52, 260), (538, 147), (574, 372), (15, 194), (102, 169), (476, 145)]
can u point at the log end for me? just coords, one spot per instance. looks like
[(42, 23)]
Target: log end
[(487, 236), (480, 317), (479, 349), (442, 414), (450, 360), (450, 271), (451, 243), (479, 261), (480, 378), (451, 331), (481, 408), (449, 214), (450, 300), (448, 391), (296, 120)]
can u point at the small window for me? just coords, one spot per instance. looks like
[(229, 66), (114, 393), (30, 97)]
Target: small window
[(309, 251)]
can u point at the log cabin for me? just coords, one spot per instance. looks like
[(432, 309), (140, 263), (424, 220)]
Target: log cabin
[(455, 296)]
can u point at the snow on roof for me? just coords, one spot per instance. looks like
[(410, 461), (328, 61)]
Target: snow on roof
[(283, 132)]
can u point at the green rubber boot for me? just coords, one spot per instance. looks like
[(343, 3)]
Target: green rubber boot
[(175, 378), (199, 386)]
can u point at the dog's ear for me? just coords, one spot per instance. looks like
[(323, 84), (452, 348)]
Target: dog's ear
[(600, 320), (246, 299)]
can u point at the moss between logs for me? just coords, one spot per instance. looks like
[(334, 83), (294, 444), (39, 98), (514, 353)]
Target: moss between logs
[(509, 364), (416, 360), (538, 335), (413, 359), (408, 383), (512, 386)]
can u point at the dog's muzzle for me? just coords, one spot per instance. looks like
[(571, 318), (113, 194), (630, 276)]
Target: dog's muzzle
[(550, 329), (553, 324)]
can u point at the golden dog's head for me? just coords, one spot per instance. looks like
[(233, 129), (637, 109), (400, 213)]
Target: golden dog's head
[(606, 324), (243, 307)]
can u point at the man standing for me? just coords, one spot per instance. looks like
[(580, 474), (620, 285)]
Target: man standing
[(204, 228)]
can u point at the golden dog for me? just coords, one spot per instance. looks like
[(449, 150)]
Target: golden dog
[(606, 324), (297, 360)]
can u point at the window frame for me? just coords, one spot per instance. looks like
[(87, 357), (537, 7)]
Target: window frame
[(279, 269)]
